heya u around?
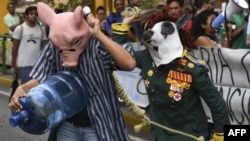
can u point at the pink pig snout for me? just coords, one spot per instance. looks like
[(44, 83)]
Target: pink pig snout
[(70, 57)]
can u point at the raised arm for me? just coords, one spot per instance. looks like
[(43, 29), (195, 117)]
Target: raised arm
[(122, 57)]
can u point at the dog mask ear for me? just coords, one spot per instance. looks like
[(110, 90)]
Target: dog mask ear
[(182, 21)]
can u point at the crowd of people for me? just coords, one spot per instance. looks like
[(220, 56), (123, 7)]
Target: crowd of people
[(174, 80), (232, 33)]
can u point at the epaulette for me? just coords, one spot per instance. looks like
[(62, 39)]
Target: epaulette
[(197, 62)]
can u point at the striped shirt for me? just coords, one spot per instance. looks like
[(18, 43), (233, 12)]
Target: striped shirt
[(95, 66)]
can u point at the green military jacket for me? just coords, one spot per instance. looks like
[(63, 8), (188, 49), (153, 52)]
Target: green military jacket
[(174, 92)]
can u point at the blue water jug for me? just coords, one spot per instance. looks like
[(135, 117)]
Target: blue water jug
[(59, 97)]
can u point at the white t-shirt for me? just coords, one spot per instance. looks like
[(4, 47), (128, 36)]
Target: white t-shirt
[(30, 43)]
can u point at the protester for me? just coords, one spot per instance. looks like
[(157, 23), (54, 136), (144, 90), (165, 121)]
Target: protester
[(161, 4), (28, 39), (101, 16), (12, 19), (205, 34), (237, 37), (201, 5), (136, 27), (176, 11), (176, 82), (115, 17), (94, 58), (247, 30)]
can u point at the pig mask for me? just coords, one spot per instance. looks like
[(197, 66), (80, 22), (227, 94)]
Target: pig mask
[(69, 32)]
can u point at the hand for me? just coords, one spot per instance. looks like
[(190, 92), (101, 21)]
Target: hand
[(14, 103), (218, 136), (248, 42), (15, 67), (94, 24), (129, 19), (103, 23), (230, 27)]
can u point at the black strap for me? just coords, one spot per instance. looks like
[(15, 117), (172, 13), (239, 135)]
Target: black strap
[(14, 85)]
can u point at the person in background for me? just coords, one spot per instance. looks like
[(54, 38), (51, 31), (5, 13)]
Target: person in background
[(201, 5), (212, 4), (161, 4), (176, 11), (205, 34), (115, 17), (237, 36), (175, 82), (101, 16), (136, 28), (188, 10), (247, 29), (12, 19), (245, 33), (28, 40)]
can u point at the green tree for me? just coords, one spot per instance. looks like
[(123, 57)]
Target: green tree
[(149, 4), (68, 6)]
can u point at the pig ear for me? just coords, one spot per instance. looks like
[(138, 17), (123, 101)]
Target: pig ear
[(78, 16), (45, 13)]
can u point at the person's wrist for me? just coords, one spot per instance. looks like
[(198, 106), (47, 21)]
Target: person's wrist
[(98, 34), (227, 38), (22, 89)]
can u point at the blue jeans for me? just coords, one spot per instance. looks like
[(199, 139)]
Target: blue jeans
[(68, 132)]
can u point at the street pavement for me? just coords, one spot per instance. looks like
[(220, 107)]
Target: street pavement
[(130, 119)]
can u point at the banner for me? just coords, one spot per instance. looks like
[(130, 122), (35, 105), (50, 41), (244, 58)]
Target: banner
[(229, 71), (133, 86)]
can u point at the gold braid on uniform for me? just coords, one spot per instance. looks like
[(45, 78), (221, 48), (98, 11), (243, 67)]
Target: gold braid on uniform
[(140, 113)]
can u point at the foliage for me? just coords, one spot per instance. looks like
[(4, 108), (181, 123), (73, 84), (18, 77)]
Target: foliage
[(149, 4), (68, 6)]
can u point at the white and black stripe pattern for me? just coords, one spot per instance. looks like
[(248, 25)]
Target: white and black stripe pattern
[(95, 66)]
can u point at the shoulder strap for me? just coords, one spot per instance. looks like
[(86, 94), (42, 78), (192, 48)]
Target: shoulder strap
[(41, 31), (196, 61)]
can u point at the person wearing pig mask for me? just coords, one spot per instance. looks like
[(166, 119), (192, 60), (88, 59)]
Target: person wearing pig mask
[(76, 44)]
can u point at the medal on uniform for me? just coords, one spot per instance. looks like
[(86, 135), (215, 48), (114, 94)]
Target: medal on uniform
[(191, 65), (150, 72), (171, 94), (178, 81), (177, 97)]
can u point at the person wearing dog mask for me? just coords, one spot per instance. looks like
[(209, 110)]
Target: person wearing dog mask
[(175, 81)]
